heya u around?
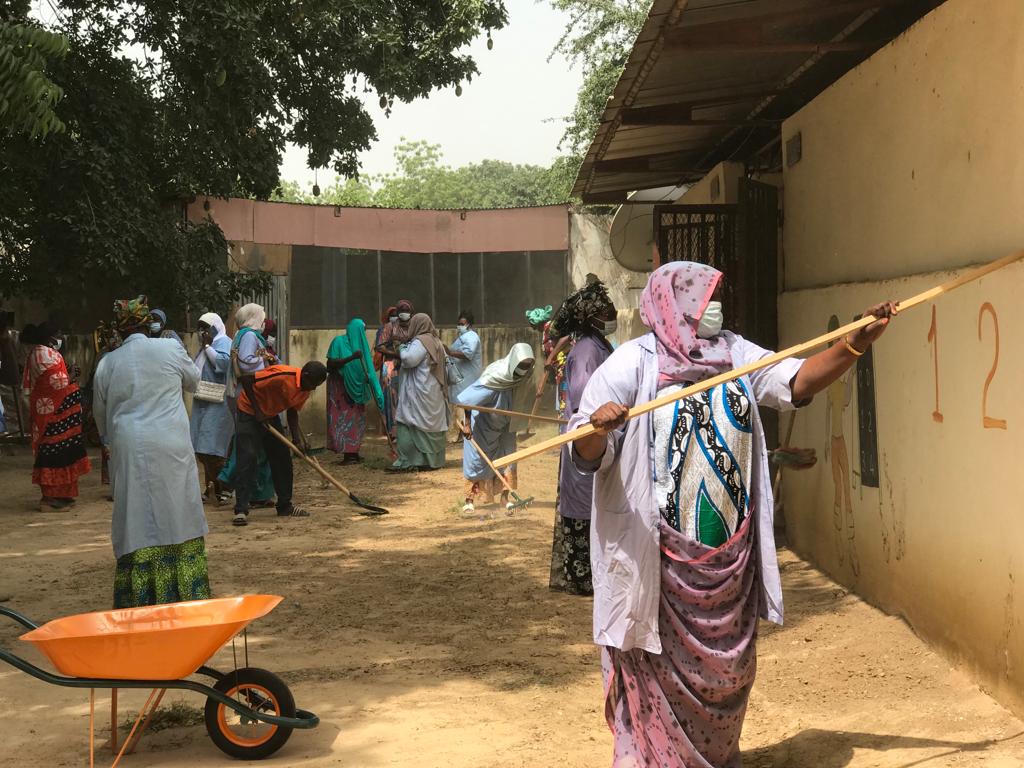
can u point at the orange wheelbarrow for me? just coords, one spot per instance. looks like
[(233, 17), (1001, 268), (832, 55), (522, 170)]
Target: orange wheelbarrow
[(250, 713)]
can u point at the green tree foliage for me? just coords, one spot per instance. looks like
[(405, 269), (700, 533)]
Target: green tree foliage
[(27, 95), (165, 100), (422, 180), (599, 37)]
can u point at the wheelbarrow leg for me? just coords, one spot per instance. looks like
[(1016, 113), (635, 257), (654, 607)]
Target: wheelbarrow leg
[(145, 723), (92, 726), (113, 720), (142, 713)]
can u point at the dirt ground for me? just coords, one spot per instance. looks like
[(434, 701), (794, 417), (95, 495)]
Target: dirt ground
[(426, 639)]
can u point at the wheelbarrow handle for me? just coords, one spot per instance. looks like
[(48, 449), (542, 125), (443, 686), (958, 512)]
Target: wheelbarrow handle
[(23, 620), (302, 719)]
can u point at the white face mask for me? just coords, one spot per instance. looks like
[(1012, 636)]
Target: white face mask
[(154, 328), (463, 329), (393, 320), (58, 343), (271, 340), (607, 327), (711, 321), (404, 316)]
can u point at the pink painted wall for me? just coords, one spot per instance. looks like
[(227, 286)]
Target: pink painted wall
[(387, 229)]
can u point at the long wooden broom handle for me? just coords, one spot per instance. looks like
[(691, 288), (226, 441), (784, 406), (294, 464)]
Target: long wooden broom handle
[(503, 412), (765, 362), (314, 464)]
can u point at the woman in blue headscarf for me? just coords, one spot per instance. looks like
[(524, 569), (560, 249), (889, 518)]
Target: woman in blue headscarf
[(350, 385)]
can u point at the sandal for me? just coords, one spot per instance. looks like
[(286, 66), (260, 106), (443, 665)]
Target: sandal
[(293, 511), (240, 518), (48, 504)]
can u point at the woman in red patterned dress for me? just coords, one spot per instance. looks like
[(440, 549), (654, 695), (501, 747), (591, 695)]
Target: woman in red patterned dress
[(55, 407)]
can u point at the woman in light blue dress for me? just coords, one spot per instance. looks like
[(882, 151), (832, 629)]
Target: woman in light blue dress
[(492, 431), (211, 424)]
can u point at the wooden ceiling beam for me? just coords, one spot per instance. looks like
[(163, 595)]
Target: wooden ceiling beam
[(747, 25), (656, 163), (742, 46), (758, 34), (674, 115), (605, 198)]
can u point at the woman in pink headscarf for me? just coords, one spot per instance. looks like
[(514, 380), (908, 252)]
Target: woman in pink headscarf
[(682, 546)]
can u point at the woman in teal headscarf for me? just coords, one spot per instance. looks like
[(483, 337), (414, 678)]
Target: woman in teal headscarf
[(350, 386)]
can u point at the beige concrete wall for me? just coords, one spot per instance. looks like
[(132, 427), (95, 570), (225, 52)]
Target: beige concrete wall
[(727, 174), (590, 252), (939, 541), (911, 163)]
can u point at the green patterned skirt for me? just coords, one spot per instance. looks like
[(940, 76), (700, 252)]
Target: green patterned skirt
[(167, 574), (418, 449)]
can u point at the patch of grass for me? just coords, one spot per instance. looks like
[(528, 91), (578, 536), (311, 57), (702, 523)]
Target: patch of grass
[(377, 462), (177, 715)]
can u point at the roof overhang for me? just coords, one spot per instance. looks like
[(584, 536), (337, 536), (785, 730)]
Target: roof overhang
[(711, 80)]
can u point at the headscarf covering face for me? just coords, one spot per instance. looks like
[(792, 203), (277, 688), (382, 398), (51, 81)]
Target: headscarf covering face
[(251, 316), (421, 327), (213, 320), (501, 374), (539, 316), (672, 303), (402, 333), (577, 312), (359, 382), (131, 314)]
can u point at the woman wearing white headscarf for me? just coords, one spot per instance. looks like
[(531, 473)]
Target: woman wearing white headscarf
[(249, 346), (250, 353), (211, 425), (491, 431)]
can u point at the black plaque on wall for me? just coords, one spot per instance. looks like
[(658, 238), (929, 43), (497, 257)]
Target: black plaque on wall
[(866, 417)]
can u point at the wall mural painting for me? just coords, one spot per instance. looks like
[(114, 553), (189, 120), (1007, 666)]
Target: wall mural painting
[(897, 546), (839, 393), (867, 418)]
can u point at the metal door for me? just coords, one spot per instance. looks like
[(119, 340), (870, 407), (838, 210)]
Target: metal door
[(739, 240)]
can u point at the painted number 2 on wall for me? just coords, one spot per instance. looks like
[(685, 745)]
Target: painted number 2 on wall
[(988, 422)]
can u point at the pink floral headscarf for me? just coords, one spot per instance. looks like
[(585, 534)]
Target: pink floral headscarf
[(672, 303)]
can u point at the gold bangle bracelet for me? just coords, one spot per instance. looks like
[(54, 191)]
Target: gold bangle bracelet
[(852, 349)]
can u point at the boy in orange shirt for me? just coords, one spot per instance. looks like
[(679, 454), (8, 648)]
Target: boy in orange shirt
[(265, 395)]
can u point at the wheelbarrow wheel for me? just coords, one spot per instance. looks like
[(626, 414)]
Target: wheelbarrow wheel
[(242, 737)]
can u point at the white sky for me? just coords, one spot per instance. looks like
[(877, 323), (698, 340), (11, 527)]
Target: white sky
[(511, 111)]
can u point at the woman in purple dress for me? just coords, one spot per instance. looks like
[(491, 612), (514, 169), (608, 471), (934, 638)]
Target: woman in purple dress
[(588, 318), (683, 552)]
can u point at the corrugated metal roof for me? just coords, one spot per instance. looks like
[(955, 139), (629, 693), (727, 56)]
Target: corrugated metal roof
[(710, 80)]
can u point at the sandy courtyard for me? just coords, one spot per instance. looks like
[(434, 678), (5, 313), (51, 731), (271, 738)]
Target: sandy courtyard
[(425, 639)]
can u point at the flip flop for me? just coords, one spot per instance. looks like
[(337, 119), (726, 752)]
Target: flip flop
[(240, 518), (294, 512)]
